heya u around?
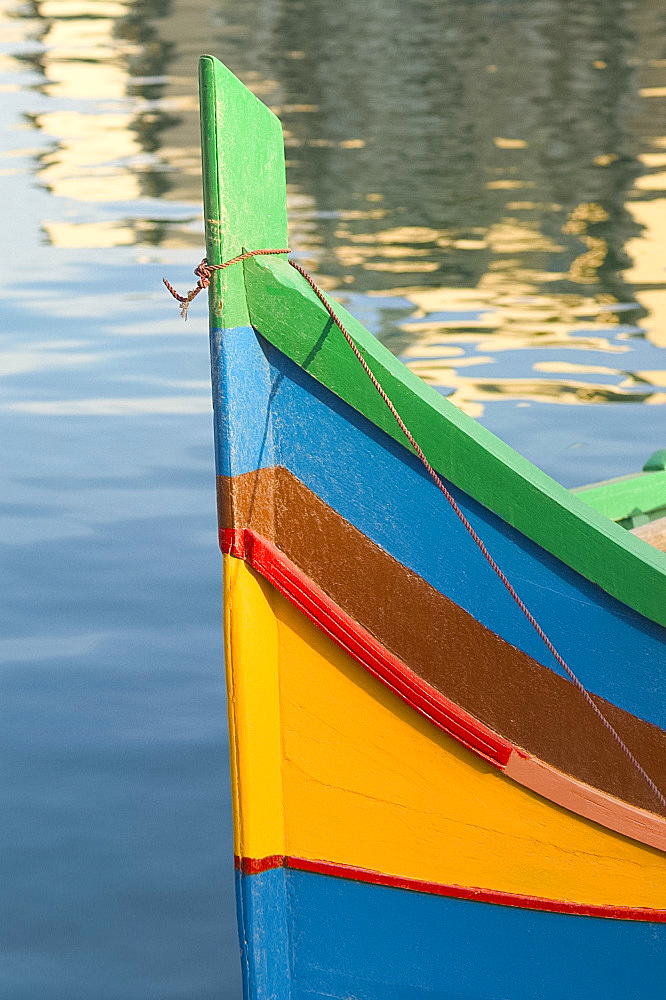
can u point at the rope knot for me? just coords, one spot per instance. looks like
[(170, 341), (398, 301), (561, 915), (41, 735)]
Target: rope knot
[(204, 272)]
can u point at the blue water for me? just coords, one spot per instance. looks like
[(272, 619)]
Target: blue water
[(116, 837), (498, 222)]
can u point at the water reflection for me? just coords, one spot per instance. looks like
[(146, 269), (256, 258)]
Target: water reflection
[(458, 167), (115, 406), (482, 181), (512, 154), (496, 186), (469, 394), (100, 67)]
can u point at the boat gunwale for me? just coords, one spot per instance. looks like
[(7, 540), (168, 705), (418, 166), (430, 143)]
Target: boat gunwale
[(285, 311)]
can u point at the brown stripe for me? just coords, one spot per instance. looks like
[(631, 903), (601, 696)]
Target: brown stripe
[(498, 684), (287, 579)]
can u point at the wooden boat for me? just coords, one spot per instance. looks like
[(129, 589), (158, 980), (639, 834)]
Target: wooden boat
[(425, 804)]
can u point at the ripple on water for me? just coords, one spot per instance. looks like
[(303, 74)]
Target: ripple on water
[(499, 222)]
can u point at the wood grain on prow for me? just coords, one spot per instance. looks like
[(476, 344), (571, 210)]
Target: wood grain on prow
[(654, 533)]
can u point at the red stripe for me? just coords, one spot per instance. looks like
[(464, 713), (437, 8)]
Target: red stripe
[(253, 866), (250, 866), (272, 564), (231, 542)]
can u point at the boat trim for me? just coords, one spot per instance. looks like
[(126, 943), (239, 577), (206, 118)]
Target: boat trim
[(255, 866), (525, 769), (459, 449)]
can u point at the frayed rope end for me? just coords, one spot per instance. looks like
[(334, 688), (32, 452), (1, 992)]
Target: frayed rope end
[(204, 273)]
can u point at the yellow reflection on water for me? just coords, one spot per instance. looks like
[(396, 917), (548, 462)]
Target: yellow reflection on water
[(102, 67), (90, 234), (84, 165), (504, 220), (470, 394), (648, 250)]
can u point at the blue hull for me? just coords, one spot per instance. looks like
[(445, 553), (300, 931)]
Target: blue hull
[(284, 417), (315, 936)]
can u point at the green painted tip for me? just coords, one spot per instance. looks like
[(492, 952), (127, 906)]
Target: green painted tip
[(244, 183)]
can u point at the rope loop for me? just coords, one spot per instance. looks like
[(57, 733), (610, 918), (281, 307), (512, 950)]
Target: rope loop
[(204, 273)]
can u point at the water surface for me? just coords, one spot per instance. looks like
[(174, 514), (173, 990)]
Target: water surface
[(482, 183)]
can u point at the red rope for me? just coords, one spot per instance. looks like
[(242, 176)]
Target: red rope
[(205, 278), (204, 273)]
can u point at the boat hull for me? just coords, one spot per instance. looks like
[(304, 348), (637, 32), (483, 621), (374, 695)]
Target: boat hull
[(338, 937), (334, 768), (424, 802)]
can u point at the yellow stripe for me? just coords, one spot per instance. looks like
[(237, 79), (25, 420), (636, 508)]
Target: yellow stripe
[(251, 654), (367, 782)]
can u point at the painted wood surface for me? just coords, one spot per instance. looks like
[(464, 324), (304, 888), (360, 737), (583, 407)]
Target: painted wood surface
[(654, 533), (656, 462), (441, 644), (626, 497), (244, 195), (265, 926), (367, 831), (255, 866), (244, 183), (282, 416), (378, 943), (289, 315), (368, 782), (561, 787)]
